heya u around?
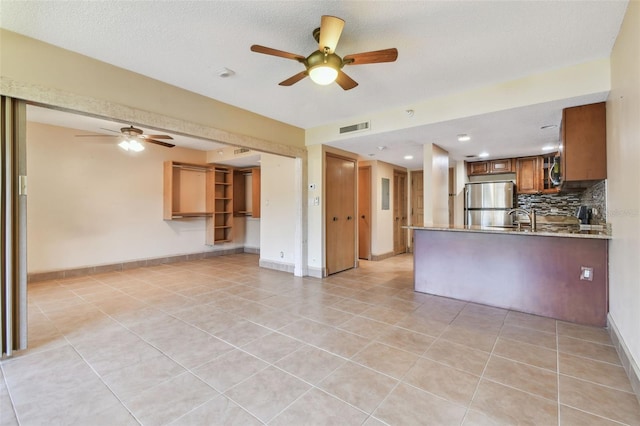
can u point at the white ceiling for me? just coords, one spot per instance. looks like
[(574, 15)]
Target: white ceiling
[(444, 47)]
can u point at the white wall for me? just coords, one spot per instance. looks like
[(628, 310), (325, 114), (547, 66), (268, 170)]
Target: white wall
[(382, 220), (623, 190), (90, 203), (278, 209)]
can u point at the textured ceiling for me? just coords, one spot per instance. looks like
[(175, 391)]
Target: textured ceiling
[(444, 46)]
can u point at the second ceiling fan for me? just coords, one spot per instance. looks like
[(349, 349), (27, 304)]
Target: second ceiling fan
[(323, 65)]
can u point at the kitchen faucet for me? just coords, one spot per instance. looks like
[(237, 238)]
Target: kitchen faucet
[(531, 215)]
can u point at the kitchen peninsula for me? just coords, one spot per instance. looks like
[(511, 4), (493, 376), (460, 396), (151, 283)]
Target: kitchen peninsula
[(554, 274)]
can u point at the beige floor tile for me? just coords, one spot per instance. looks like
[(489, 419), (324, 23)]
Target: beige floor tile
[(242, 333), (524, 377), (364, 327), (170, 400), (386, 315), (267, 393), (535, 322), (602, 373), (458, 356), (141, 328), (587, 349), (218, 412), (446, 382), (476, 418), (584, 332), (318, 408), (310, 364), (133, 379), (476, 339), (341, 343), (599, 400), (386, 359), (272, 347), (359, 386), (572, 417), (406, 340), (537, 356), (411, 406), (527, 335), (306, 330), (513, 406), (229, 369)]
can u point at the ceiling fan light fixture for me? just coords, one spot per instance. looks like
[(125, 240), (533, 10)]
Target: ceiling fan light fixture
[(131, 145), (323, 74)]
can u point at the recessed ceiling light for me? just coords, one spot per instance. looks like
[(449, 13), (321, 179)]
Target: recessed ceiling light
[(382, 148), (549, 148), (408, 157), (463, 137), (483, 154)]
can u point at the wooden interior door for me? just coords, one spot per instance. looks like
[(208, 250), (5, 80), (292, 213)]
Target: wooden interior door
[(340, 184), (399, 212), (417, 198), (364, 212)]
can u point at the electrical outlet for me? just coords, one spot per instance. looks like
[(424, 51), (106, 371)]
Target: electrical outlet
[(586, 273)]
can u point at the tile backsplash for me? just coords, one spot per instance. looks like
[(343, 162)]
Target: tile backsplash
[(567, 204)]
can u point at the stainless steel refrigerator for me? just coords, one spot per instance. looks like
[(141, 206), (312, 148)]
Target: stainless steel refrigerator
[(486, 204)]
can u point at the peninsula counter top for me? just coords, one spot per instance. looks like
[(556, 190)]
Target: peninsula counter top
[(512, 231)]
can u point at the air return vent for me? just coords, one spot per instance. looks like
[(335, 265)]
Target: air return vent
[(355, 127), (240, 151)]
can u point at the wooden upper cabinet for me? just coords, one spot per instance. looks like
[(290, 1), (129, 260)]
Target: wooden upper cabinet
[(584, 143), (501, 166), (528, 176), (505, 165)]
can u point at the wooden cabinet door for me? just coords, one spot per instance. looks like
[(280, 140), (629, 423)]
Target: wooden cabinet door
[(501, 166), (584, 133), (340, 223), (478, 168), (527, 175)]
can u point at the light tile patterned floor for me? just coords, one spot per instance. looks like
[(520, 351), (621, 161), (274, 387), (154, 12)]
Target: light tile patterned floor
[(222, 341)]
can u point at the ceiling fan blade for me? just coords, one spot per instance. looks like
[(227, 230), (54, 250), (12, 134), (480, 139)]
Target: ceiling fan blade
[(275, 52), (168, 145), (345, 81), (109, 130), (330, 31), (377, 56), (97, 136), (293, 79), (156, 137)]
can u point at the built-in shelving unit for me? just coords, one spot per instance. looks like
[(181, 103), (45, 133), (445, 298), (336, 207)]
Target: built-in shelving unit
[(246, 203), (186, 186), (220, 201)]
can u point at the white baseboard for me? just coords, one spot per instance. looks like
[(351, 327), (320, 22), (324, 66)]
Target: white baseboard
[(629, 364), (278, 266)]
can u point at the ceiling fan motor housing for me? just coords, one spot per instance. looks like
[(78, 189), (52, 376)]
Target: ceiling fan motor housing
[(131, 131), (320, 58)]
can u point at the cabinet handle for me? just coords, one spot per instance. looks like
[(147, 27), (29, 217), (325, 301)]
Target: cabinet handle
[(335, 219), (362, 217), (349, 217)]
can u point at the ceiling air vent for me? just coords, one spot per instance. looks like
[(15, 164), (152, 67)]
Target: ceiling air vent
[(355, 128), (241, 151)]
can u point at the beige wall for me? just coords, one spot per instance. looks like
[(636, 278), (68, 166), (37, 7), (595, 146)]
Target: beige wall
[(623, 188), (90, 203)]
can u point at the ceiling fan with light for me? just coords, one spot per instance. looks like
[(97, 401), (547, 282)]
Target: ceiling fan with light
[(323, 66), (131, 138)]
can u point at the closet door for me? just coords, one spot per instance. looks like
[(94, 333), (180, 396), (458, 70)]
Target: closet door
[(340, 184)]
